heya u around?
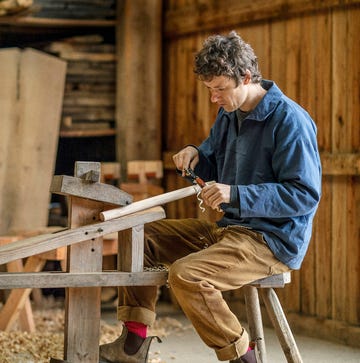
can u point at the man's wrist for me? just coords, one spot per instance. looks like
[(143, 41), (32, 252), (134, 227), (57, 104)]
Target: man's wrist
[(192, 145)]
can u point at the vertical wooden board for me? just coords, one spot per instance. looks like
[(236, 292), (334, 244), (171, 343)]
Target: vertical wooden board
[(353, 251), (170, 96), (258, 36), (307, 66), (139, 44), (170, 101), (32, 152), (193, 122), (339, 144), (9, 93), (353, 82), (322, 236), (322, 89), (321, 35), (82, 313), (296, 295), (339, 247), (340, 85), (181, 84), (277, 69), (293, 51), (306, 77), (206, 111), (353, 190)]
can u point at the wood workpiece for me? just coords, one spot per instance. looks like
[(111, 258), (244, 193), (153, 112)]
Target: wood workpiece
[(150, 202)]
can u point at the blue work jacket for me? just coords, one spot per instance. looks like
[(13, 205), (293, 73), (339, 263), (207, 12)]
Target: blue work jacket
[(273, 166)]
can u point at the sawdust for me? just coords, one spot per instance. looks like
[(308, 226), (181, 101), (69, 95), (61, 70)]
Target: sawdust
[(48, 340)]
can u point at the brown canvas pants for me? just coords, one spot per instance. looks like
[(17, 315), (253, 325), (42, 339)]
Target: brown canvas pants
[(203, 261)]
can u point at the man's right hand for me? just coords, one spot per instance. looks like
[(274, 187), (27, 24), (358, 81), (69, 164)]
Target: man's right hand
[(186, 158)]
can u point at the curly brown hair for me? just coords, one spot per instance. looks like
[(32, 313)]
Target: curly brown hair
[(226, 56)]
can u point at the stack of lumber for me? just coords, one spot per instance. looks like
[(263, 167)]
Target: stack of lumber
[(76, 9), (89, 98)]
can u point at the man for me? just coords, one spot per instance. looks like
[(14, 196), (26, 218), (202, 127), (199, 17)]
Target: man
[(262, 153)]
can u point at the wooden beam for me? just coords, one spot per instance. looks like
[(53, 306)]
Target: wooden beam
[(47, 242), (28, 21), (340, 163), (22, 280), (212, 15)]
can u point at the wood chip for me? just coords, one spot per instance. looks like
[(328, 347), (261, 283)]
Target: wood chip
[(48, 341)]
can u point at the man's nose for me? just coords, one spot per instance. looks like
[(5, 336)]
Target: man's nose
[(214, 96)]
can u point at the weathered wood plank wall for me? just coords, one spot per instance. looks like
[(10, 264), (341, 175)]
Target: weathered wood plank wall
[(311, 50)]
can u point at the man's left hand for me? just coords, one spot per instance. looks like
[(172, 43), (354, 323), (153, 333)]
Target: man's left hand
[(215, 194)]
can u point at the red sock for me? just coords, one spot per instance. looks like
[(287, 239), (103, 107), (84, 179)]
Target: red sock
[(139, 329)]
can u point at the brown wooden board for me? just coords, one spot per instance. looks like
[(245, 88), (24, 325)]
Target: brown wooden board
[(9, 61), (30, 135)]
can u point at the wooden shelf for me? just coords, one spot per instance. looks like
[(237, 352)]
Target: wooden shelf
[(29, 21), (87, 133)]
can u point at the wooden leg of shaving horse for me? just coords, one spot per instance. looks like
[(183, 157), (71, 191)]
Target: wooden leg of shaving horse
[(281, 325), (254, 319)]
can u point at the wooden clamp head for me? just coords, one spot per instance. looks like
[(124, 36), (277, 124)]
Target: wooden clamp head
[(85, 184)]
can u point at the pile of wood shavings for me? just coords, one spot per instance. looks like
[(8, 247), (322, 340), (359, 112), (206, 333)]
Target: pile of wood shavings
[(48, 340)]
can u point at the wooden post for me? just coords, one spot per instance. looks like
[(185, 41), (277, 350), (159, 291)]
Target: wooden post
[(83, 304), (131, 249), (138, 37)]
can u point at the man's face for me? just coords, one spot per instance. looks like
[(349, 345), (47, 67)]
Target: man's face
[(224, 92)]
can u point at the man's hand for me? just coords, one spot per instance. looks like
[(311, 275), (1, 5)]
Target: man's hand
[(186, 158), (215, 194)]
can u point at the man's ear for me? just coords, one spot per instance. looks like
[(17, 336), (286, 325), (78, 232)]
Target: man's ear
[(247, 77)]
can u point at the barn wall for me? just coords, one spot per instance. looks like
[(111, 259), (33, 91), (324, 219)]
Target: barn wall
[(311, 50)]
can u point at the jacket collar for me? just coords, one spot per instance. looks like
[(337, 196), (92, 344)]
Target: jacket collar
[(267, 105)]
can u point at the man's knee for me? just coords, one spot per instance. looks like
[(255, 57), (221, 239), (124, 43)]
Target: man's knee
[(178, 274)]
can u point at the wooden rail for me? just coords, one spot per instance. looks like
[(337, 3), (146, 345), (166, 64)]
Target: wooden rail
[(23, 280), (47, 242)]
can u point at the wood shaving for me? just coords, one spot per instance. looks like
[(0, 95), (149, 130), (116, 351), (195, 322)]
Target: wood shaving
[(48, 340)]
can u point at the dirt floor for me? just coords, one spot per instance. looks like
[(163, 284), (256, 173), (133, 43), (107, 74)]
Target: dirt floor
[(180, 343)]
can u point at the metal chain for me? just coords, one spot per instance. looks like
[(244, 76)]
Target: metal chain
[(159, 268)]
